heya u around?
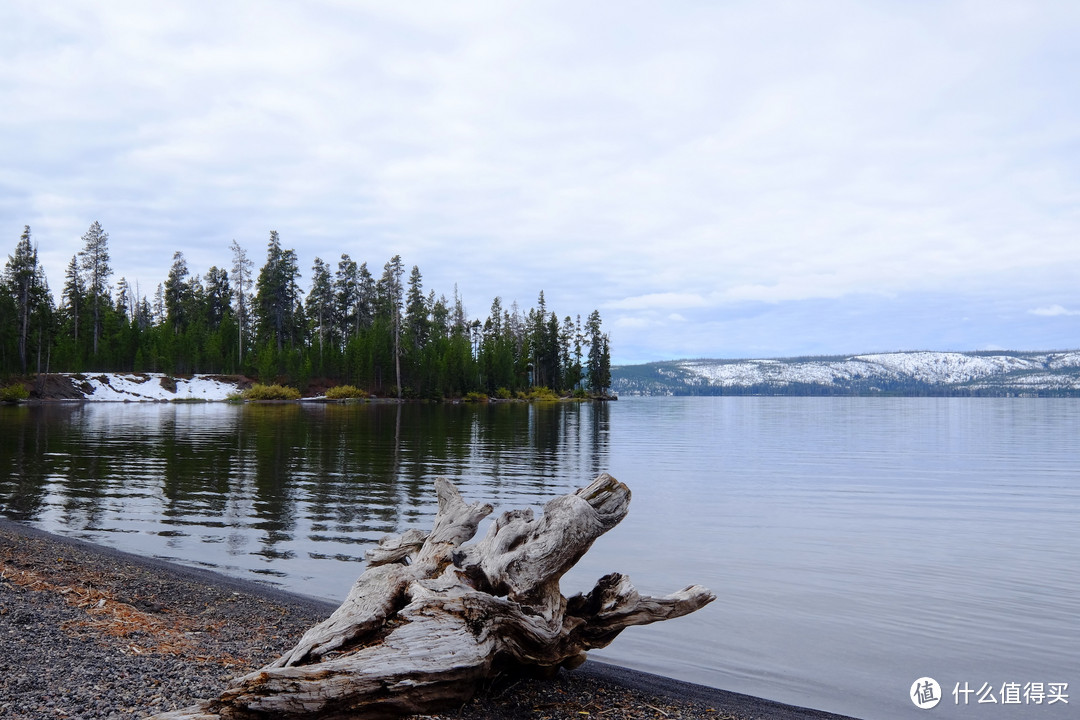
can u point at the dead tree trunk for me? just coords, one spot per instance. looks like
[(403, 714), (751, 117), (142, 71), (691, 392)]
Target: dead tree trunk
[(430, 619)]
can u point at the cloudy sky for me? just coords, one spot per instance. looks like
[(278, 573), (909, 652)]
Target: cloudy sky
[(719, 179)]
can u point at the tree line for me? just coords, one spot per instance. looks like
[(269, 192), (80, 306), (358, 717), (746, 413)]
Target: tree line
[(383, 333)]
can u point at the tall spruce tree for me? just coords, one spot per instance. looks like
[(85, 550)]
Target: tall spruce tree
[(320, 304), (217, 296), (73, 296), (177, 294), (242, 281), (366, 298), (125, 300), (416, 311), (94, 263), (21, 275), (599, 363), (392, 290), (277, 295), (346, 298)]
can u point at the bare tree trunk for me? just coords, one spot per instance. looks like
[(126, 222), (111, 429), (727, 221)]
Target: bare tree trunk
[(431, 619)]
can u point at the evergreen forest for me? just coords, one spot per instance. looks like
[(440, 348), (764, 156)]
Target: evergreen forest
[(377, 330)]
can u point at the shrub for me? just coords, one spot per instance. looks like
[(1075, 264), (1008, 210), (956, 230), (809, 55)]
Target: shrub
[(503, 393), (477, 397), (542, 393), (345, 392), (14, 393), (271, 392)]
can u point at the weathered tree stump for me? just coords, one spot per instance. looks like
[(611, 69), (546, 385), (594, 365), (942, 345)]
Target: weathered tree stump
[(431, 619)]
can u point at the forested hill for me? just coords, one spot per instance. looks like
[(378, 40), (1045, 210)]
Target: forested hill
[(997, 373)]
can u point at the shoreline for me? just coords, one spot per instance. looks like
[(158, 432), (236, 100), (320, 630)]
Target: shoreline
[(158, 387), (96, 632)]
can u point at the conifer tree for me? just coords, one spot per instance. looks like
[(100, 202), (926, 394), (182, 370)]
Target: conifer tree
[(347, 298), (366, 299), (392, 290), (241, 268), (159, 305), (22, 274), (277, 295), (73, 296), (416, 311), (125, 300), (177, 294), (320, 303), (217, 296), (599, 365), (95, 266)]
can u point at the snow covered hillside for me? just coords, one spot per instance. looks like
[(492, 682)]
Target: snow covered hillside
[(935, 373)]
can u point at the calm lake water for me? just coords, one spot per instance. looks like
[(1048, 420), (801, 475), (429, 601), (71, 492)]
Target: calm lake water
[(855, 544)]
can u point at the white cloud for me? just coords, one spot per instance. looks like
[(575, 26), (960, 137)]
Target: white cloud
[(681, 158), (635, 322), (660, 301), (1053, 311)]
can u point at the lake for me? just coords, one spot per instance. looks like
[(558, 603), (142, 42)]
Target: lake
[(855, 544)]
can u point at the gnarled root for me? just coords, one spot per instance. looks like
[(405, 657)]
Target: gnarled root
[(431, 618)]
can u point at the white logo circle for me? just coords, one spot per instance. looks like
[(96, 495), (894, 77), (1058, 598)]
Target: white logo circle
[(925, 693)]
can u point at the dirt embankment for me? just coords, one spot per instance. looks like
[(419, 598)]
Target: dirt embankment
[(55, 387)]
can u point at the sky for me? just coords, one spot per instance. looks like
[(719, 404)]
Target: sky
[(719, 179)]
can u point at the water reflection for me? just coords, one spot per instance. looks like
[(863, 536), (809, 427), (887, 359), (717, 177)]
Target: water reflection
[(856, 543), (289, 491)]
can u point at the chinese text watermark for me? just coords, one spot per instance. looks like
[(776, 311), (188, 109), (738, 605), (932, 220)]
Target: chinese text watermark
[(926, 693)]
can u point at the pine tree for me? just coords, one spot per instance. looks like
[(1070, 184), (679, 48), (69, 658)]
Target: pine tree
[(390, 284), (347, 298), (95, 266), (439, 325), (43, 318), (21, 275), (569, 354), (125, 300), (416, 312), (277, 295), (177, 294), (73, 296), (217, 296), (599, 364), (366, 298), (241, 269), (159, 305), (320, 303)]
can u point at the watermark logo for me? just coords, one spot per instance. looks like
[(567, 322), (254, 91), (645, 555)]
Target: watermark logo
[(925, 693)]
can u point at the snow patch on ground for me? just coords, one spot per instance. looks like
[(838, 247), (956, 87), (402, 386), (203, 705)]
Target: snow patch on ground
[(151, 387)]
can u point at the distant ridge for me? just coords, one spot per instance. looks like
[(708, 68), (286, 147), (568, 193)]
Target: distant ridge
[(923, 373)]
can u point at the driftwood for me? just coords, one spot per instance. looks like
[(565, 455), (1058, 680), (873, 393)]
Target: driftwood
[(431, 619)]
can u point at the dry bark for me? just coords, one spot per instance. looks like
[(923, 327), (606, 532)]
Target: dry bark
[(431, 618)]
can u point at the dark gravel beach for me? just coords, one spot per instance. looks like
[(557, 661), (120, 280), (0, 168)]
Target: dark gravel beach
[(94, 633)]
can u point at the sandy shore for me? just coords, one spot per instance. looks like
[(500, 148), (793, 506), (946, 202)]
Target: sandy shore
[(91, 632)]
